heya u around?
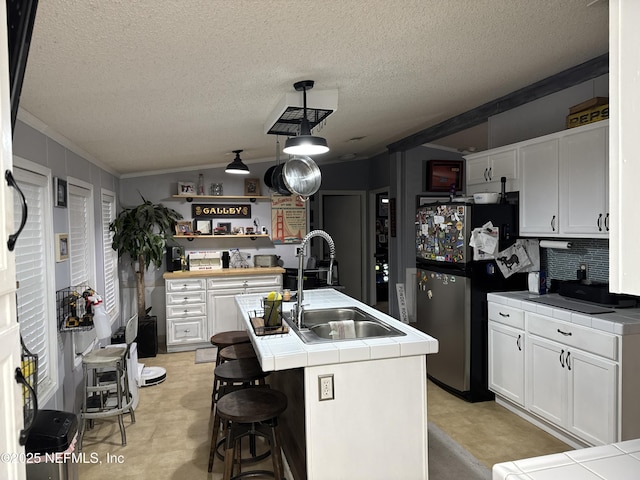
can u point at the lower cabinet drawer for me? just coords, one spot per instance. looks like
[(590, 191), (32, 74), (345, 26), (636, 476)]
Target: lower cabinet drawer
[(186, 298), (584, 338), (513, 317), (186, 331), (248, 281), (187, 310), (185, 284)]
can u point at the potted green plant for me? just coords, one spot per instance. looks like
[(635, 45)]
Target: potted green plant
[(142, 233)]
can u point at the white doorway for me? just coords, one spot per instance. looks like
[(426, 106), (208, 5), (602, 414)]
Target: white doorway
[(342, 215)]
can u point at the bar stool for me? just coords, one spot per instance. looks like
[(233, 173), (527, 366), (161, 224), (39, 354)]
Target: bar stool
[(108, 394), (240, 351), (252, 411), (232, 376), (222, 340)]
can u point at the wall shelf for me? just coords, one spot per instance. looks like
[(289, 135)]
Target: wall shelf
[(190, 198), (193, 237)]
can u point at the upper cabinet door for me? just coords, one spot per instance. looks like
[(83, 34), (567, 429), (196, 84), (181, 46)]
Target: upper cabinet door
[(583, 183), (477, 168), (539, 169)]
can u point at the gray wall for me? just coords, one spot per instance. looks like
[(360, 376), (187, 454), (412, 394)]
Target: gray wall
[(32, 145)]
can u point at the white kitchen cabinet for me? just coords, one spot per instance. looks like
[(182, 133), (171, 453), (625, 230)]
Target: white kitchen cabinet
[(584, 195), (186, 313), (539, 168), (563, 182), (221, 292), (484, 170), (506, 362), (568, 386), (222, 309), (199, 306), (506, 352)]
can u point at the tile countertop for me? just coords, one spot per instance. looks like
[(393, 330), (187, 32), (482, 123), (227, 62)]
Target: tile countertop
[(624, 321), (282, 352), (222, 272), (617, 461)]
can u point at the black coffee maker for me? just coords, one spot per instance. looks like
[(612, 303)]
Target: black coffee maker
[(174, 259)]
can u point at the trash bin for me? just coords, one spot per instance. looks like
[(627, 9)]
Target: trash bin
[(50, 446)]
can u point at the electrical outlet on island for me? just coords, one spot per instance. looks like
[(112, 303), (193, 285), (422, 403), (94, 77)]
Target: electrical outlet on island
[(325, 387)]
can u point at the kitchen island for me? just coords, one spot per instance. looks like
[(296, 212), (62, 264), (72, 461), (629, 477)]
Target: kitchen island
[(375, 424)]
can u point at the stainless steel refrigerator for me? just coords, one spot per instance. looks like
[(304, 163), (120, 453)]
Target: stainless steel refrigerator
[(452, 290)]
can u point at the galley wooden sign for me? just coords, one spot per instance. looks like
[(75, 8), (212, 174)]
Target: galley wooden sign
[(219, 210)]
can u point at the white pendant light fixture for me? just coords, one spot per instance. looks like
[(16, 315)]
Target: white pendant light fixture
[(305, 143), (237, 167)]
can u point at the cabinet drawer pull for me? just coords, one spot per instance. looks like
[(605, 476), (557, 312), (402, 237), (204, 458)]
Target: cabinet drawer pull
[(504, 314), (599, 223), (186, 330), (562, 358), (568, 364), (553, 223), (518, 342), (490, 172), (606, 222), (486, 171), (566, 334)]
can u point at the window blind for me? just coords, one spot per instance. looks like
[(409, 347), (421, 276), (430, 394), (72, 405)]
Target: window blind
[(80, 245), (34, 298), (110, 256)]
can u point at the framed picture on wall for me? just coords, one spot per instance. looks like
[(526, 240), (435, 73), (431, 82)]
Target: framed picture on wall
[(62, 247), (59, 192), (184, 227), (251, 186), (203, 227)]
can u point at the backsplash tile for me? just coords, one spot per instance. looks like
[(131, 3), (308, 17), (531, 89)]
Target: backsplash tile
[(562, 264)]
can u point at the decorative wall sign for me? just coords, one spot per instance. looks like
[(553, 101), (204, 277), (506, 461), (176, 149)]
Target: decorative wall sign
[(288, 219), (218, 210)]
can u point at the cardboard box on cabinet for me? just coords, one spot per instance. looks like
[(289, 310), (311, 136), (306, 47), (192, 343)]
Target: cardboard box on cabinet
[(591, 115)]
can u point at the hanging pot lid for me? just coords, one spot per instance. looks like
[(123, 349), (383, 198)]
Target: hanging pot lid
[(302, 176)]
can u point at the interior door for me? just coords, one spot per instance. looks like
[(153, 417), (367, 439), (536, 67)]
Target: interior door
[(343, 217), (11, 421)]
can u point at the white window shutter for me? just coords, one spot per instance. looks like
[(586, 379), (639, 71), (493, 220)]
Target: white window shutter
[(80, 236), (35, 297), (110, 295)]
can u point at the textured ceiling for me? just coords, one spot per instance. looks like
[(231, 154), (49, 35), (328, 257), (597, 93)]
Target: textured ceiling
[(152, 85)]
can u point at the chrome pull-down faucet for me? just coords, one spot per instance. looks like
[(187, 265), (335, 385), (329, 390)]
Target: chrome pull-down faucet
[(299, 309)]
